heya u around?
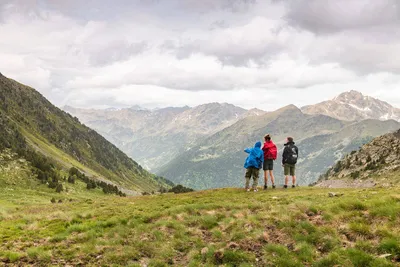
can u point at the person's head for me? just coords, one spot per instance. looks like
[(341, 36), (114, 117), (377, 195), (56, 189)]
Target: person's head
[(258, 145), (290, 140), (267, 138)]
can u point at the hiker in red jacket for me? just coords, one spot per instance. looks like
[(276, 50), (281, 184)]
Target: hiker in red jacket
[(270, 154)]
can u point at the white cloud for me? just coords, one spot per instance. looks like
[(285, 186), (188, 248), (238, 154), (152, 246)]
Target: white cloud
[(262, 54)]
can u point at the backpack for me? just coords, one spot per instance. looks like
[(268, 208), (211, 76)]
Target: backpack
[(272, 153), (291, 154)]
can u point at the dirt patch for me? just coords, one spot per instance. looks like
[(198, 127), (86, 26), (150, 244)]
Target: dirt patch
[(275, 236), (346, 184)]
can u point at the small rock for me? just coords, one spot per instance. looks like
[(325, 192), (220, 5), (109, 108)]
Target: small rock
[(204, 251), (332, 194), (385, 256), (275, 197), (266, 236)]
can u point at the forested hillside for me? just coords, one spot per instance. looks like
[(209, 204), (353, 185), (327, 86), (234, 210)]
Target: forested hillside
[(39, 131)]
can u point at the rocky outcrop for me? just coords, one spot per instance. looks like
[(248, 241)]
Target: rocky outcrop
[(379, 157)]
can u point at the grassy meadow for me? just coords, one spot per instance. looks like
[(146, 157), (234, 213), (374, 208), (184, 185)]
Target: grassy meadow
[(230, 227)]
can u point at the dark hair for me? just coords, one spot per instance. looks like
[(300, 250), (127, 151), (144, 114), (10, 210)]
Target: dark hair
[(290, 139), (267, 137)]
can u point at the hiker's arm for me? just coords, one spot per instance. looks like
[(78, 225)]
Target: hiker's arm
[(297, 152), (247, 150)]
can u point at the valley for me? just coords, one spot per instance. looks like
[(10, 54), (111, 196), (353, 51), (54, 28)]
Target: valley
[(205, 149)]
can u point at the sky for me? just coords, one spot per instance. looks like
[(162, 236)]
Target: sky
[(158, 53)]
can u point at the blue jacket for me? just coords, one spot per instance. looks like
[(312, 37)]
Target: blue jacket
[(255, 158)]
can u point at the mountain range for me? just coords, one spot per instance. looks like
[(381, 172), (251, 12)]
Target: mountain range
[(154, 137), (54, 142), (202, 147)]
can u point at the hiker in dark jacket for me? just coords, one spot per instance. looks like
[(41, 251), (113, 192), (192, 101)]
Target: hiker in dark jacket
[(289, 161), (270, 154), (253, 165)]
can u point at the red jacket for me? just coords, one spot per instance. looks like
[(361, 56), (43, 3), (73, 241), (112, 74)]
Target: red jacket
[(270, 150)]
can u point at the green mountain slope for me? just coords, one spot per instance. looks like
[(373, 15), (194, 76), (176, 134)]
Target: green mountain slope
[(30, 122), (218, 161)]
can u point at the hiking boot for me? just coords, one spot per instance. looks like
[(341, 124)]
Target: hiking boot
[(285, 186), (248, 189), (273, 186), (293, 186), (265, 187), (256, 190)]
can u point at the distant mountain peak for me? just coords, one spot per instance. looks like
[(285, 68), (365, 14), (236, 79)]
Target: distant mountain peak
[(354, 106), (137, 108), (289, 107), (348, 95), (351, 96)]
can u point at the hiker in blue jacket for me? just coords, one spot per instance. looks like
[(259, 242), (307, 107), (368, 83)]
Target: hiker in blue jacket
[(253, 164)]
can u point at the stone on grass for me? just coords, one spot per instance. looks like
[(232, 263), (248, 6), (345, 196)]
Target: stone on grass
[(204, 251)]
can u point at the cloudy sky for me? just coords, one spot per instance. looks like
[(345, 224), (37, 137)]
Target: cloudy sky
[(156, 53)]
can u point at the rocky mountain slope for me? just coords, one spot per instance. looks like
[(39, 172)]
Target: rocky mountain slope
[(218, 161), (379, 159), (154, 137), (352, 106), (50, 138)]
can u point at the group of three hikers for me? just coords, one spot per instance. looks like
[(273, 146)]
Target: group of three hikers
[(264, 158)]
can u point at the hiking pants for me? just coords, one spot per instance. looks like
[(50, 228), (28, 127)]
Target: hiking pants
[(252, 172)]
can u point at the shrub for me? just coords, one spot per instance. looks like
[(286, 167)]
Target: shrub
[(71, 179), (53, 200), (338, 167), (355, 175), (59, 188), (180, 189)]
